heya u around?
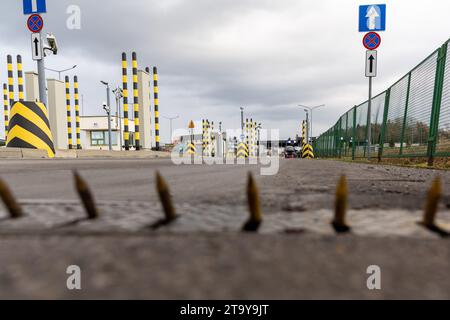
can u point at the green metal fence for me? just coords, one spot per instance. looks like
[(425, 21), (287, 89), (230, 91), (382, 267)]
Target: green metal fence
[(409, 119)]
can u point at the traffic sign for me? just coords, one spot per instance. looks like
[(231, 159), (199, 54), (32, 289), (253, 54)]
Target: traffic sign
[(371, 63), (372, 41), (372, 18), (36, 46), (34, 6), (35, 23)]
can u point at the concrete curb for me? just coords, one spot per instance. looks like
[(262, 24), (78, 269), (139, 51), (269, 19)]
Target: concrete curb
[(18, 153)]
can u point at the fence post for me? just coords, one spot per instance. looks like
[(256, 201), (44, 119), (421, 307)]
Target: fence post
[(405, 123), (384, 124), (437, 99), (354, 134)]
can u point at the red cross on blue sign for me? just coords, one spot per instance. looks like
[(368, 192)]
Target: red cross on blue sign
[(35, 23), (372, 41)]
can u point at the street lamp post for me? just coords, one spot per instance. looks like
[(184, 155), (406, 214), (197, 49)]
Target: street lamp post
[(118, 92), (61, 71), (107, 108), (259, 127), (242, 122), (310, 124), (171, 127)]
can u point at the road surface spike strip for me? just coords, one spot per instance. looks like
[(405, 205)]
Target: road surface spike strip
[(253, 224), (339, 222), (126, 132), (14, 209), (432, 207), (86, 196), (166, 201)]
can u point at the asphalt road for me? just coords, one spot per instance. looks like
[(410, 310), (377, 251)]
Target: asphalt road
[(204, 255)]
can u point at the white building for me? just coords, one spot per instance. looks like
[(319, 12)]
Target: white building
[(94, 132)]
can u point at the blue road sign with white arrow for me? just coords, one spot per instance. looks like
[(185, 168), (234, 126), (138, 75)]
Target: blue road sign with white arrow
[(34, 6), (372, 18)]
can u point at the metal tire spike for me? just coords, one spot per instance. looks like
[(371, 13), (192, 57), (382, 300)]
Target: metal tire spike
[(166, 202), (86, 196), (14, 209), (432, 207), (339, 223), (255, 221)]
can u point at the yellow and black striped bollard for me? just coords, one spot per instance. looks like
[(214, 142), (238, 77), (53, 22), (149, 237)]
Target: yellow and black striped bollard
[(77, 112), (136, 103), (203, 137), (69, 115), (20, 77), (126, 131), (156, 100), (10, 81), (6, 107)]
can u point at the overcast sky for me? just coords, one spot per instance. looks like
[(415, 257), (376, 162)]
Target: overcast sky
[(215, 56)]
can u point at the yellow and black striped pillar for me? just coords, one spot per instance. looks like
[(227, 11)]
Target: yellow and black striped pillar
[(303, 133), (136, 102), (5, 108), (29, 127), (208, 140), (10, 81), (203, 137), (69, 115), (126, 129), (156, 101), (20, 77), (252, 139), (213, 141), (77, 112), (247, 134)]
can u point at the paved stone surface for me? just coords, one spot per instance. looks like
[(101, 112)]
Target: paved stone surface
[(203, 254)]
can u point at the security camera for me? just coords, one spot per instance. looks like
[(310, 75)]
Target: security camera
[(52, 44), (106, 108)]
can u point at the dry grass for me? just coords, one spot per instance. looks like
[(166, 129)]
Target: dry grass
[(442, 163)]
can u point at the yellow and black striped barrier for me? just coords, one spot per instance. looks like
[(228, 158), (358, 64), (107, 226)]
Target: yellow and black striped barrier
[(20, 77), (6, 107), (126, 131), (307, 152), (69, 116), (137, 139), (156, 100), (77, 112), (242, 152), (29, 127), (191, 149)]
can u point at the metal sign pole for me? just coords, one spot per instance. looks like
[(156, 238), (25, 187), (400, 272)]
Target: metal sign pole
[(369, 120), (41, 78)]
